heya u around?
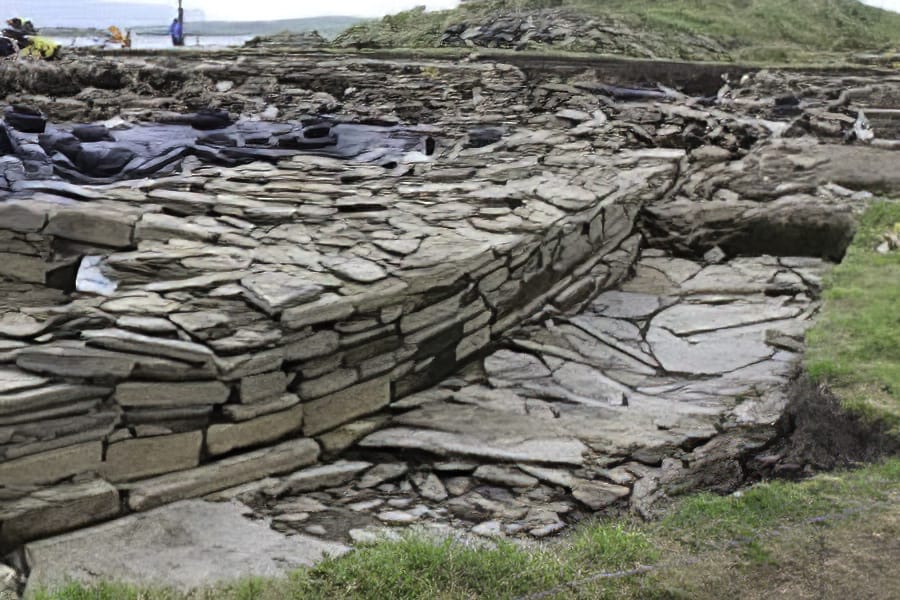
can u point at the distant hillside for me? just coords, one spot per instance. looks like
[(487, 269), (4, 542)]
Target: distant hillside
[(691, 29), (328, 27)]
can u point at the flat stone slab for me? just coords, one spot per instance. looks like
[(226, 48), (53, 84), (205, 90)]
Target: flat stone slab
[(181, 546)]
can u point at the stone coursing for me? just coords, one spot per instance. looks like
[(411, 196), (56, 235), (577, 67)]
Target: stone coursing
[(168, 338), (156, 332)]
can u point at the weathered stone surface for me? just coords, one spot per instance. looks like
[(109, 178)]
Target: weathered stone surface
[(52, 466), (213, 543), (76, 362), (382, 473), (597, 494), (93, 226), (223, 474), (245, 412), (344, 406), (324, 476), (263, 386), (342, 438), (43, 397), (565, 451), (119, 339), (230, 436), (154, 394), (505, 476), (145, 457), (54, 510)]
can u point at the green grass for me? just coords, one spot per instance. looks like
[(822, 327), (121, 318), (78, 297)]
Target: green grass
[(855, 346), (739, 526), (753, 30)]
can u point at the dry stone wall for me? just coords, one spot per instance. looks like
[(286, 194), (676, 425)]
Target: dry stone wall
[(164, 339), (183, 335)]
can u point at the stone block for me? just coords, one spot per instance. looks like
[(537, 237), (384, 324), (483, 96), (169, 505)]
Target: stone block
[(104, 228), (338, 440), (52, 466), (48, 396), (230, 436), (245, 412), (128, 341), (262, 387), (346, 405), (156, 394), (440, 311), (145, 457), (284, 458), (319, 344), (473, 343), (55, 510), (328, 384), (72, 360), (330, 307), (23, 217), (317, 478)]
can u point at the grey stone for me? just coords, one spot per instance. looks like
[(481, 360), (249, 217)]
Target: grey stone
[(342, 438), (597, 494), (397, 517), (505, 476), (441, 311), (381, 473), (100, 227), (120, 339), (316, 478), (327, 384), (223, 474), (230, 436), (430, 487), (263, 386), (548, 450), (273, 292), (35, 399), (14, 380), (245, 412), (24, 217), (145, 457), (321, 343), (153, 394), (52, 466), (330, 307), (344, 406), (490, 529), (54, 510), (183, 546), (75, 361)]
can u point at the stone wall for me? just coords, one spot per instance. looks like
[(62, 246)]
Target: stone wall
[(165, 339)]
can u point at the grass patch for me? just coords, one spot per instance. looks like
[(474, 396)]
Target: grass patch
[(717, 533), (752, 30), (855, 346), (707, 518)]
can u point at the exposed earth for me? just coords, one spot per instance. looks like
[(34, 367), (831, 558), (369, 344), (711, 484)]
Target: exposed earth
[(486, 298)]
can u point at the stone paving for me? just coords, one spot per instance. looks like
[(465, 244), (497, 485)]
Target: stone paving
[(663, 384)]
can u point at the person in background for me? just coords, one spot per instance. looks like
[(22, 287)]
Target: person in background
[(176, 32)]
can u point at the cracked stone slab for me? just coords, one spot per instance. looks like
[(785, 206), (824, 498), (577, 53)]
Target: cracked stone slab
[(183, 546)]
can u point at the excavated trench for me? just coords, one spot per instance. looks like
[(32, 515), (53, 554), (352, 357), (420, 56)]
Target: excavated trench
[(551, 299)]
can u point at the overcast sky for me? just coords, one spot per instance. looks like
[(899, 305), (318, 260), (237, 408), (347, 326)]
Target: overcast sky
[(264, 10), (246, 10)]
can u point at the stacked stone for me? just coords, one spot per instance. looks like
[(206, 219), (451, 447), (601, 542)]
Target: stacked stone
[(168, 338)]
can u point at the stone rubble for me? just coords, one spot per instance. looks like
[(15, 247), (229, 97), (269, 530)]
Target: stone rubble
[(503, 337)]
